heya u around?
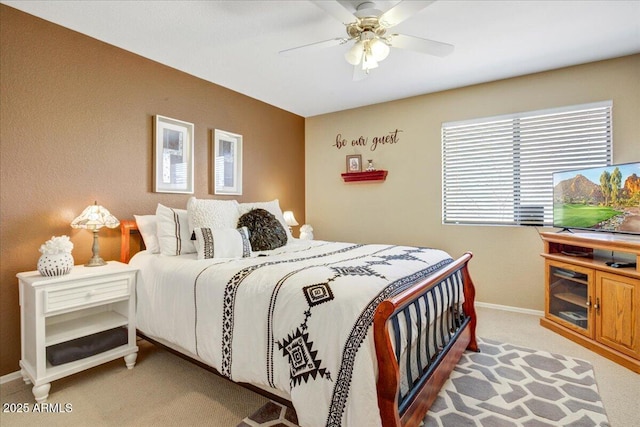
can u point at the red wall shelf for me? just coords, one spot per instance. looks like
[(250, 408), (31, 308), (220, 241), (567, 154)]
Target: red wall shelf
[(377, 175)]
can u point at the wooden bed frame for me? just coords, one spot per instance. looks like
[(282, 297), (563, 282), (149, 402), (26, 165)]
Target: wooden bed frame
[(395, 410)]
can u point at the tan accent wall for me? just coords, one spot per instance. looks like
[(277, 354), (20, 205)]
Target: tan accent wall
[(406, 208), (76, 127)]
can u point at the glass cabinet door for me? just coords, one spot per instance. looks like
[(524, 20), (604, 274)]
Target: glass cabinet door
[(570, 296)]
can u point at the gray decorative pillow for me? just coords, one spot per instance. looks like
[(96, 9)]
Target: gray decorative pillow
[(265, 231)]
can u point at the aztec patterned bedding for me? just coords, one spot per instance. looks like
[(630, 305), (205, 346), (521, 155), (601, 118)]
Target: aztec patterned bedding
[(298, 320)]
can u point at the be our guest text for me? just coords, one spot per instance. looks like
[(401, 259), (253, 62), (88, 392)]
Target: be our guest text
[(365, 141)]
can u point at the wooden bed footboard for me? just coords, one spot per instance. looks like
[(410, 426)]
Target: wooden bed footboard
[(455, 333)]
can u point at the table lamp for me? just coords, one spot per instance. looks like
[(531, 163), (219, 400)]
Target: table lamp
[(93, 218), (289, 219)]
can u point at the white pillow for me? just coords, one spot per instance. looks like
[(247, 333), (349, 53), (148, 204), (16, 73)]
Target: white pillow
[(222, 242), (147, 226), (210, 213), (174, 237), (273, 207)]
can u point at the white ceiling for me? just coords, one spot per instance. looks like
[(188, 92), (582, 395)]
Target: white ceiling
[(235, 43)]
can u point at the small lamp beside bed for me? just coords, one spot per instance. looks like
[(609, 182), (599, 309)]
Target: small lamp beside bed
[(290, 220), (93, 218)]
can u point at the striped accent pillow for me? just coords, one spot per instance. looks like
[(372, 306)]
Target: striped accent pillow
[(222, 242), (173, 231)]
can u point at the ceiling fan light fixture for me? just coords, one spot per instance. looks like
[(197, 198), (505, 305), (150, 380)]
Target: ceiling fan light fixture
[(368, 30), (354, 55), (379, 49)]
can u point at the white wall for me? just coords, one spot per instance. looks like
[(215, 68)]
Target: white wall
[(406, 208)]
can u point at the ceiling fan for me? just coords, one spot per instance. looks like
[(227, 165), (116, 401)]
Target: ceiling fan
[(367, 28)]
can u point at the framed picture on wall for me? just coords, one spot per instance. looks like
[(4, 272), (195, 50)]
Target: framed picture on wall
[(227, 162), (173, 156), (354, 163)]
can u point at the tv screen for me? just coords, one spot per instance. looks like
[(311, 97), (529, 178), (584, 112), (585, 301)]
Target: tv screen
[(600, 199)]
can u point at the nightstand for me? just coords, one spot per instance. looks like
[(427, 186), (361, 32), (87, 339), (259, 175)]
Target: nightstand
[(88, 316)]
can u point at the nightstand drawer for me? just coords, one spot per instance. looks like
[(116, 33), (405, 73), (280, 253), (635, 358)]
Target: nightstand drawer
[(86, 292)]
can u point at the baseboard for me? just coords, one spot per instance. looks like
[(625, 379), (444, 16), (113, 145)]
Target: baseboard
[(10, 377), (510, 308)]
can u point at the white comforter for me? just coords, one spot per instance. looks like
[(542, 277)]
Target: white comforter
[(298, 320)]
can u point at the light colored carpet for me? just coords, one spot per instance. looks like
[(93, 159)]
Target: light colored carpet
[(503, 385), (164, 390), (161, 390)]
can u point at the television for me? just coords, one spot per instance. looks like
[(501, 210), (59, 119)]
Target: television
[(598, 199)]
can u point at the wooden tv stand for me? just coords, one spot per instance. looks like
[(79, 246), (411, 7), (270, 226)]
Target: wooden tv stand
[(590, 302)]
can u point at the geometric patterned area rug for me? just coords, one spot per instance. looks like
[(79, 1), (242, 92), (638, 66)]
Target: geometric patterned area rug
[(272, 414), (508, 385), (502, 386)]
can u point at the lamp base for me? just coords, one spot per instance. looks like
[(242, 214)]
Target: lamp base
[(96, 261)]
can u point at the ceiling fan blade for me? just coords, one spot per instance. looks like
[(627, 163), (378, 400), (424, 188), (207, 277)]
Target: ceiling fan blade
[(418, 44), (336, 10), (403, 10), (314, 46)]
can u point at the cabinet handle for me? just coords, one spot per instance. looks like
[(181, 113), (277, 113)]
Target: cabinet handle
[(597, 306), (588, 303)]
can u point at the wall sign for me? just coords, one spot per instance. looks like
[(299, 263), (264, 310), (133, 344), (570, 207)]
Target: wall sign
[(365, 141)]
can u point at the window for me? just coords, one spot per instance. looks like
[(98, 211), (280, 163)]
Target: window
[(497, 170)]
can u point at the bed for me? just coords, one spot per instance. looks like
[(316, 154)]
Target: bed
[(346, 334)]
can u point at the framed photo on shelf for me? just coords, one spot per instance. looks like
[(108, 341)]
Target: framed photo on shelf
[(173, 155), (354, 163), (227, 162)]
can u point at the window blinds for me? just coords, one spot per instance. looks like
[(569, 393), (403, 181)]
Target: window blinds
[(498, 170)]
